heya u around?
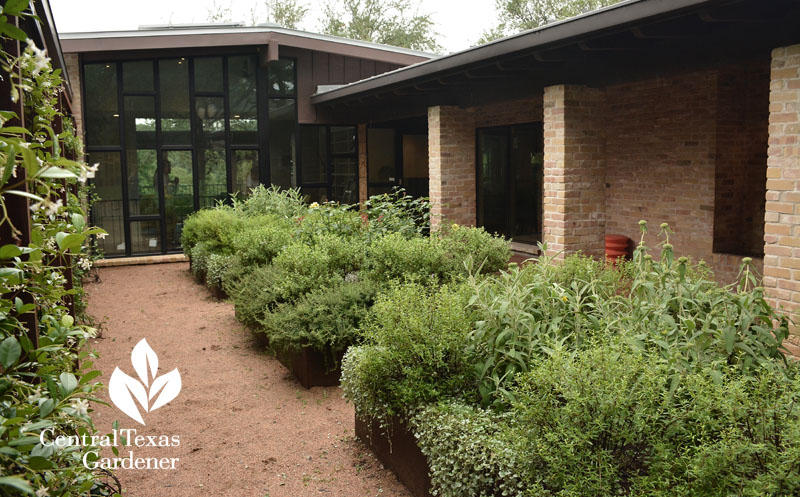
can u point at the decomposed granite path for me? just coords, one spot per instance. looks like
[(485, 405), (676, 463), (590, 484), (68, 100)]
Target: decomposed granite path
[(245, 427)]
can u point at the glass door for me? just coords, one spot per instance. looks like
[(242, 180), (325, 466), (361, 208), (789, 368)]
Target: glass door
[(510, 175)]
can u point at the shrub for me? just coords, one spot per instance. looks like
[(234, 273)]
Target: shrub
[(488, 252), (199, 255), (329, 219), (467, 451), (217, 267), (271, 200), (414, 351), (327, 319), (215, 227), (417, 259), (260, 242), (608, 422), (397, 212)]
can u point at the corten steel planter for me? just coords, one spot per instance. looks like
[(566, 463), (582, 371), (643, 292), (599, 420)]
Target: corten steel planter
[(398, 451), (310, 367)]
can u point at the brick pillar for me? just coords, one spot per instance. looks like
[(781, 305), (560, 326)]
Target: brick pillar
[(362, 163), (74, 71), (451, 165), (782, 218), (574, 170)]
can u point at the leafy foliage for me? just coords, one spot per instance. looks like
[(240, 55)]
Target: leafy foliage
[(392, 22), (521, 15)]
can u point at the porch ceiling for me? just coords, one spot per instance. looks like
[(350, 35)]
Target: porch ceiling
[(634, 38)]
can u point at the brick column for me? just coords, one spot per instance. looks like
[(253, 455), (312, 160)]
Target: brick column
[(362, 163), (74, 71), (782, 218), (574, 170), (451, 165)]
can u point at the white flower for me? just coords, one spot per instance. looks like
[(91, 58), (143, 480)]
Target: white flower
[(52, 209), (42, 492), (85, 263), (102, 235), (81, 407), (313, 205)]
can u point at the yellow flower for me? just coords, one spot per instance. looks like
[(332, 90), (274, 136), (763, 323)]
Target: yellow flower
[(564, 298), (313, 205)]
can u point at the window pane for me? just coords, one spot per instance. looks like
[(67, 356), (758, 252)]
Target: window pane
[(178, 194), (282, 125), (245, 171), (343, 139), (175, 109), (212, 176), (381, 155), (318, 194), (492, 191), (141, 155), (526, 167), (102, 112), (208, 74), (281, 77), (210, 112), (137, 76), (107, 210), (345, 180), (314, 154), (145, 237), (242, 100)]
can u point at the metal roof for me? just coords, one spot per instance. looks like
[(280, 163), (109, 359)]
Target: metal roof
[(226, 34)]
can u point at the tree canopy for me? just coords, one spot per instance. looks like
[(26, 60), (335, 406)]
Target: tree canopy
[(392, 22), (521, 15)]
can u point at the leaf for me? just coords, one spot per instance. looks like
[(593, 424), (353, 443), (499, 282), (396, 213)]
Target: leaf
[(9, 251), (13, 31), (68, 382), (122, 389), (171, 383), (17, 483), (69, 241), (57, 173), (46, 408), (38, 462), (78, 221), (142, 356), (89, 377), (15, 7), (22, 193), (10, 351)]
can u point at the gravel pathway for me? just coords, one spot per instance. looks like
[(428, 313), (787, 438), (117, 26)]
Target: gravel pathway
[(246, 427)]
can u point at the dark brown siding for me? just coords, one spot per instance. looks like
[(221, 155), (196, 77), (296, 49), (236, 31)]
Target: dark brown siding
[(322, 68)]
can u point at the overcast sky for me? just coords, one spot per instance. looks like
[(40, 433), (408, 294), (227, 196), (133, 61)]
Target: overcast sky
[(459, 22)]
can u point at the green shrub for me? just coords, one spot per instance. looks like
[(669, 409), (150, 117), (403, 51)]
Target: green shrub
[(488, 252), (217, 267), (414, 352), (329, 219), (397, 212), (215, 227), (273, 201), (259, 243), (199, 255), (609, 422), (467, 451), (417, 259), (327, 319)]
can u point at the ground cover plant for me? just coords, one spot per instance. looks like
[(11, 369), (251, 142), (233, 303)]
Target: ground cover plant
[(568, 378), (46, 376), (307, 275)]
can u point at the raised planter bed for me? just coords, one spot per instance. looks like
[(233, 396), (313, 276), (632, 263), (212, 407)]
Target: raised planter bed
[(310, 367), (398, 451)]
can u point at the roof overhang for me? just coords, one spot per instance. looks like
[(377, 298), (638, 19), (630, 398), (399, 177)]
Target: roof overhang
[(229, 36), (589, 49)]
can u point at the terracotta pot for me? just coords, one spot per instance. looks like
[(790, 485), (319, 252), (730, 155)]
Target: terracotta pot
[(616, 247)]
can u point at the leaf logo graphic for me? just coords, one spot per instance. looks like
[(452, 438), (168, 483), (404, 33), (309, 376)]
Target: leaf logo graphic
[(125, 390)]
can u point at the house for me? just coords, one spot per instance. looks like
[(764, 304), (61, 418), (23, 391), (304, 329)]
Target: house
[(684, 112), (180, 117)]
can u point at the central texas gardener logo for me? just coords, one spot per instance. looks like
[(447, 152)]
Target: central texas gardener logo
[(123, 389)]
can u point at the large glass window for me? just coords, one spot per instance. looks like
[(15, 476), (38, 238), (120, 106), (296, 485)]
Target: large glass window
[(175, 117), (510, 176), (282, 131), (108, 210), (208, 74), (102, 108), (329, 163), (243, 102), (137, 76), (140, 153)]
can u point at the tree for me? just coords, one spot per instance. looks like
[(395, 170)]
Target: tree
[(219, 13), (521, 15), (286, 13), (392, 22)]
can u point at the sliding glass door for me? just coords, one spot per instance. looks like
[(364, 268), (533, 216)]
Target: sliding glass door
[(509, 162)]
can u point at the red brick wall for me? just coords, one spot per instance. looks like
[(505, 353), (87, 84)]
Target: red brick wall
[(74, 72), (451, 164), (782, 238), (574, 170)]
